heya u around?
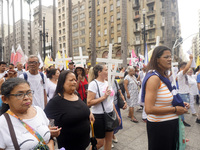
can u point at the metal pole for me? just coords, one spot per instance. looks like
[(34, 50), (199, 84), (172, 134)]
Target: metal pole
[(51, 47), (44, 44), (144, 33)]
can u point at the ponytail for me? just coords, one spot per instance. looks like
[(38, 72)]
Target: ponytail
[(91, 75)]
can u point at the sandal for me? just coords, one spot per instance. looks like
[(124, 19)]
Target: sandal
[(134, 120)]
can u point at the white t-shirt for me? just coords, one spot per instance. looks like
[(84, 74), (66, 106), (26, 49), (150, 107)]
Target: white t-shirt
[(25, 139), (182, 83), (38, 87), (108, 104), (2, 74), (193, 85), (51, 88)]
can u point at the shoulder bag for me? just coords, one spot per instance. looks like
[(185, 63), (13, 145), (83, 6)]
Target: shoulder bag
[(111, 120), (120, 101), (42, 144)]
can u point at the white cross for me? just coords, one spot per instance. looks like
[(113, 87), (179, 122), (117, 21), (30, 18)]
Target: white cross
[(133, 59), (61, 61), (110, 62), (80, 58)]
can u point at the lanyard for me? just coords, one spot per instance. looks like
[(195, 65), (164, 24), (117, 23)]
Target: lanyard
[(30, 129)]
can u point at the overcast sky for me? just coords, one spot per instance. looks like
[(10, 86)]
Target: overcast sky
[(188, 15)]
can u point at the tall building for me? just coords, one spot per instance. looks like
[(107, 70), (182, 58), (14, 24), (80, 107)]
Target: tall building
[(47, 20), (26, 36), (159, 17)]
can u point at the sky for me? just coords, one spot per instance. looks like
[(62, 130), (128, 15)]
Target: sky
[(188, 15)]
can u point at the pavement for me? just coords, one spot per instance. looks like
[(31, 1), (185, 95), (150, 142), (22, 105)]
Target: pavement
[(133, 136)]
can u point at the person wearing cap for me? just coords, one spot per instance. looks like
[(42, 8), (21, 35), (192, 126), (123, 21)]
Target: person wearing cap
[(71, 66), (82, 82)]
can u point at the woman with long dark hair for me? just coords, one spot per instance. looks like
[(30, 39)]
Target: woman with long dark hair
[(162, 117), (70, 113)]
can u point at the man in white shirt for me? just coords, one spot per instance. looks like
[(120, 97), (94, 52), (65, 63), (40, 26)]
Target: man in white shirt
[(2, 69), (19, 69), (71, 66), (184, 84), (37, 82)]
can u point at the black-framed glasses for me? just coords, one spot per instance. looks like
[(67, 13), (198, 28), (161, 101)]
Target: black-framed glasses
[(32, 62), (21, 96)]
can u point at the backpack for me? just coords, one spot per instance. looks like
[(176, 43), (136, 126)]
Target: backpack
[(121, 85), (41, 74)]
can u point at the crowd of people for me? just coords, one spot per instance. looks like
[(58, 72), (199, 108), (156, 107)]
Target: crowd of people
[(39, 107)]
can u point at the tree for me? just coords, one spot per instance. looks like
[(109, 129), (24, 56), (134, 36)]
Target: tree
[(70, 50), (2, 28), (124, 33), (54, 30), (8, 16), (93, 34), (21, 22), (30, 2), (14, 33)]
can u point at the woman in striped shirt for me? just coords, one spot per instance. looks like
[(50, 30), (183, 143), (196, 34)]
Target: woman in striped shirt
[(162, 119)]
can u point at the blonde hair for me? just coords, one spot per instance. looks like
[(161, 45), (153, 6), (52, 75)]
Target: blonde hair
[(91, 75)]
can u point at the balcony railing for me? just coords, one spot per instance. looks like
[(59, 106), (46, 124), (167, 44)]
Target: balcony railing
[(152, 12), (137, 43), (150, 1), (136, 5), (136, 17), (151, 26)]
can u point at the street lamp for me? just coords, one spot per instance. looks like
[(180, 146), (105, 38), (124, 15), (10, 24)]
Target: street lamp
[(43, 34), (144, 26)]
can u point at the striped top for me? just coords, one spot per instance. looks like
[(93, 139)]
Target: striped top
[(163, 100)]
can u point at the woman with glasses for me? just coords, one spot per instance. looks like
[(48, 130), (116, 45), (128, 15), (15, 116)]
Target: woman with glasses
[(29, 122), (162, 117)]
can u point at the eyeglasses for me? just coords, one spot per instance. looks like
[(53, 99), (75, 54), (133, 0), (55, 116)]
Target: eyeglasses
[(32, 62), (21, 96)]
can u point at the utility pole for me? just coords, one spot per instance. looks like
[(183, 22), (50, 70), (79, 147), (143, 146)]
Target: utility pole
[(93, 34)]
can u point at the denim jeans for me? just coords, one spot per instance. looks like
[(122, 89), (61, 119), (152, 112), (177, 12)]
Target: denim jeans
[(185, 98)]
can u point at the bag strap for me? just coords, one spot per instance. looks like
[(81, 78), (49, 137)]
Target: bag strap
[(12, 132), (29, 128), (100, 96), (116, 84)]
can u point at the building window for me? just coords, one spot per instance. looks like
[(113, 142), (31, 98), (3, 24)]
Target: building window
[(59, 25), (64, 45), (75, 42), (104, 1), (82, 23), (112, 29), (82, 15), (63, 9), (98, 12), (75, 34), (98, 22), (118, 27), (90, 24), (151, 8), (82, 7), (105, 31), (63, 31), (60, 32), (112, 40), (137, 37), (111, 7), (60, 46), (118, 3), (98, 3), (104, 10), (59, 39), (99, 44), (75, 26), (82, 40), (105, 43), (59, 11), (75, 10), (76, 49), (90, 14), (83, 32), (63, 16), (63, 23), (119, 39), (111, 18), (151, 34), (75, 18), (136, 26), (118, 15), (99, 33), (63, 38), (105, 20)]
